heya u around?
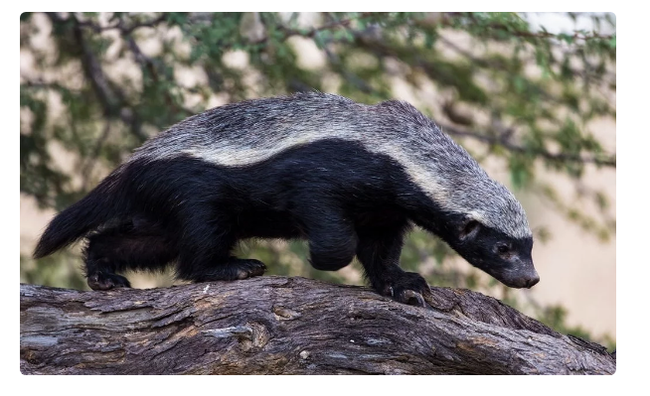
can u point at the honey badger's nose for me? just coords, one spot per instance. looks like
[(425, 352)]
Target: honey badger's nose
[(532, 281)]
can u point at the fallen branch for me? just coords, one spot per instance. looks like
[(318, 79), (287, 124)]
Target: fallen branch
[(277, 325)]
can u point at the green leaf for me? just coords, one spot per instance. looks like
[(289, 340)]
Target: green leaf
[(568, 38), (612, 42)]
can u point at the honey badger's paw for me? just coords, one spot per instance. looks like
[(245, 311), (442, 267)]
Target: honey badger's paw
[(107, 281), (233, 269), (247, 268), (407, 288)]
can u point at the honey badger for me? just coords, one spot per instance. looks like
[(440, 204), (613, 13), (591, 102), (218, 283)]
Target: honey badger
[(349, 178)]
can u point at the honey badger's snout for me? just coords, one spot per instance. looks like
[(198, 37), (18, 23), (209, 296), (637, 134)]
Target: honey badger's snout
[(528, 276), (528, 280), (523, 276), (532, 280)]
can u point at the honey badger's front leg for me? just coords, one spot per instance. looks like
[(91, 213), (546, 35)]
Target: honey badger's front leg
[(378, 250), (331, 234)]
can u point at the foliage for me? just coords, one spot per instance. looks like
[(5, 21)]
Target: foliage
[(97, 85)]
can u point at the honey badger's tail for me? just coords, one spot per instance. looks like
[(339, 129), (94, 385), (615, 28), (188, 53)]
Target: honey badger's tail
[(102, 204)]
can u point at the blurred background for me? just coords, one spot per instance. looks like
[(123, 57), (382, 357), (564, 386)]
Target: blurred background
[(531, 96)]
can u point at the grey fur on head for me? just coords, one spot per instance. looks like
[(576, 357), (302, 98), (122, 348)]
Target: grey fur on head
[(247, 132)]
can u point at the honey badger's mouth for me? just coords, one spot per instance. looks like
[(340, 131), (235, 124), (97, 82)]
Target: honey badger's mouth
[(517, 278)]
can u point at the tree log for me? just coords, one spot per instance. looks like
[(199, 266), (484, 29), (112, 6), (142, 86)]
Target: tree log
[(278, 325)]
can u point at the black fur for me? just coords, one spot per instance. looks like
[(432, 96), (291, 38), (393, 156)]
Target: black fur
[(342, 199)]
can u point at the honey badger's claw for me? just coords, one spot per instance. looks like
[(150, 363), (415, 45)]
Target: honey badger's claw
[(406, 287), (411, 297), (389, 292)]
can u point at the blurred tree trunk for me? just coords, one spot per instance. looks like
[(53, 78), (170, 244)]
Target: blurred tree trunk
[(277, 325)]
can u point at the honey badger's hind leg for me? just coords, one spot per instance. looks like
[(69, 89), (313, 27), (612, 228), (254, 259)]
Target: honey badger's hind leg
[(136, 244), (207, 239), (378, 251)]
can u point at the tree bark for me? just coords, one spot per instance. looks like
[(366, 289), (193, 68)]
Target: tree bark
[(277, 325)]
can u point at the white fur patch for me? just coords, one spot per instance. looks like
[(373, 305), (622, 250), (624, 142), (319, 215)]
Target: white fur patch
[(236, 155)]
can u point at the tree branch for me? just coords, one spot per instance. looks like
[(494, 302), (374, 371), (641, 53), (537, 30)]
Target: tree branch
[(151, 65), (288, 32), (604, 160), (89, 163), (496, 26), (277, 325), (111, 99), (485, 63), (95, 27)]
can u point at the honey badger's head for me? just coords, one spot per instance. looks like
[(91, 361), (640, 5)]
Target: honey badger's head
[(506, 258), (492, 234)]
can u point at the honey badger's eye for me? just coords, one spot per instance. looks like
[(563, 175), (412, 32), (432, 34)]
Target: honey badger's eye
[(503, 248)]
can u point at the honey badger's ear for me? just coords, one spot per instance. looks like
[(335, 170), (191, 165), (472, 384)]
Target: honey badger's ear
[(469, 229)]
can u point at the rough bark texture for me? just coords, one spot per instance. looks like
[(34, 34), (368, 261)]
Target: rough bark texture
[(277, 325)]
